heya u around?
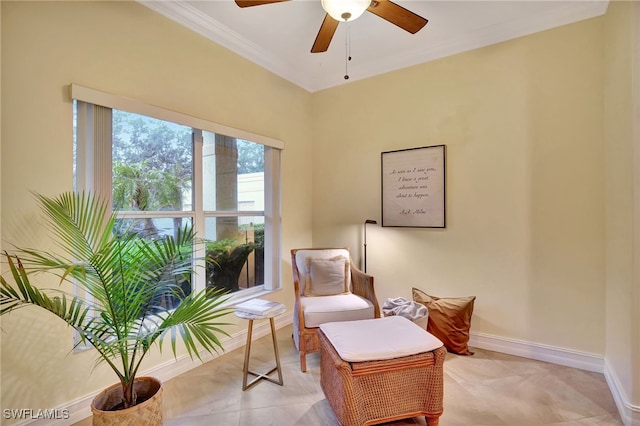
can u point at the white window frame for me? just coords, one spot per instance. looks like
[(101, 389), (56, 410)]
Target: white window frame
[(94, 169)]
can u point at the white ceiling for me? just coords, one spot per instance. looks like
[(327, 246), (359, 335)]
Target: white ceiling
[(279, 36)]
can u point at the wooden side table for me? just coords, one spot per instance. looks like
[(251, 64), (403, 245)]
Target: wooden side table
[(247, 351)]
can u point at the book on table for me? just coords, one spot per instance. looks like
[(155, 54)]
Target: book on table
[(259, 307)]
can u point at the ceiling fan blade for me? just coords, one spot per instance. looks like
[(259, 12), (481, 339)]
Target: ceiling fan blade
[(325, 34), (249, 3), (397, 15)]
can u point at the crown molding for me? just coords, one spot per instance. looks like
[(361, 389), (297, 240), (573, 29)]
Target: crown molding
[(188, 16)]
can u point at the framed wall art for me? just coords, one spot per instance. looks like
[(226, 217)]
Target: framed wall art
[(413, 187)]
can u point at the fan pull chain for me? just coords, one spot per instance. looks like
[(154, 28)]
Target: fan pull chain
[(347, 49)]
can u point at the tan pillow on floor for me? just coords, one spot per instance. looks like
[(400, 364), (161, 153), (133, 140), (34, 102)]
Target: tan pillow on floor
[(449, 319)]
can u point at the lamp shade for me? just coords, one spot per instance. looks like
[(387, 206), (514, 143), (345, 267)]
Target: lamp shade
[(345, 10)]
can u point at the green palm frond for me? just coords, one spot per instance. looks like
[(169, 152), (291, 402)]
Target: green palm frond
[(72, 311), (196, 321)]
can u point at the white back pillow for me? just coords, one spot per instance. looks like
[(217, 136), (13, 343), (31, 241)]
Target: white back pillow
[(327, 277), (303, 270)]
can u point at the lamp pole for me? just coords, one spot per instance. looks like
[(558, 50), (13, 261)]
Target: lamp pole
[(372, 222)]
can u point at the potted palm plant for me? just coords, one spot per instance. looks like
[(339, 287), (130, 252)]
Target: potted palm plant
[(121, 309)]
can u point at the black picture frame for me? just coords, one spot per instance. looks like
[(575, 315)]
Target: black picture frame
[(413, 187)]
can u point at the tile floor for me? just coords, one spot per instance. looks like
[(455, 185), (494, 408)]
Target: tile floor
[(488, 388)]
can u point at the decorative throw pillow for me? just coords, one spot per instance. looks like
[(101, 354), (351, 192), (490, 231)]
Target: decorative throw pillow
[(326, 277), (449, 319)]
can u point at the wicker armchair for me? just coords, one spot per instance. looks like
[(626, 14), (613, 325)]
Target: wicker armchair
[(359, 302)]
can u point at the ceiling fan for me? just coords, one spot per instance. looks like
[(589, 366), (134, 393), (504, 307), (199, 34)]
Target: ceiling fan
[(345, 11)]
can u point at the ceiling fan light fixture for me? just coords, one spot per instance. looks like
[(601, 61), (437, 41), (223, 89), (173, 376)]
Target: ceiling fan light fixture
[(345, 10)]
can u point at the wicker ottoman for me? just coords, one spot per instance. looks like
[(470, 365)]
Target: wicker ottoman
[(380, 370)]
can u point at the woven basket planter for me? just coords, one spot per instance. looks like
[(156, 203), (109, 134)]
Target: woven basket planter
[(147, 413)]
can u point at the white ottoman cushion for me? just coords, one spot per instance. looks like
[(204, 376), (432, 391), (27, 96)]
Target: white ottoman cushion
[(378, 339)]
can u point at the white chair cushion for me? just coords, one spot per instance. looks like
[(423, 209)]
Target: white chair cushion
[(301, 263), (378, 339), (340, 307)]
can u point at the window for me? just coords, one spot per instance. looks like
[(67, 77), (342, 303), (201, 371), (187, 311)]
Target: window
[(162, 170)]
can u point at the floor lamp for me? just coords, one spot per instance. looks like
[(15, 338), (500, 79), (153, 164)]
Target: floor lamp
[(372, 222)]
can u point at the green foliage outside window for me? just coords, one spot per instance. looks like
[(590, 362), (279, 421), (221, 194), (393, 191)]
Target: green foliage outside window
[(227, 257)]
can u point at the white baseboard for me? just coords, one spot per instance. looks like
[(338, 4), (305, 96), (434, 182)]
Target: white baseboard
[(80, 408), (629, 413), (537, 351)]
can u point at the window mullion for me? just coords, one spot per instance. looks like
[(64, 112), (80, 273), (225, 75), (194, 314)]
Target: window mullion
[(272, 264), (198, 212)]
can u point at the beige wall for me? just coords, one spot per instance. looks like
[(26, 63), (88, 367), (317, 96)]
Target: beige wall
[(523, 126), (533, 196), (125, 49), (622, 165)]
